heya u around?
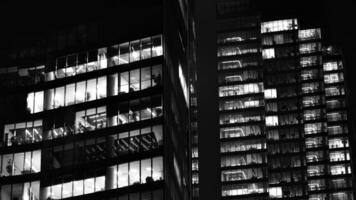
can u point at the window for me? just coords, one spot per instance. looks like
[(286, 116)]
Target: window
[(21, 163), (123, 175), (101, 87), (146, 48), (124, 82), (134, 80), (268, 53), (237, 36), (275, 192), (35, 102), (334, 91), (242, 160), (309, 48), (331, 66), (145, 77), (27, 190), (157, 49), (337, 129), (340, 169), (240, 118), (75, 188), (240, 131), (280, 25), (80, 92), (134, 172), (90, 90), (124, 53), (314, 128), (334, 78), (247, 102), (270, 93), (58, 97), (241, 146), (90, 119), (235, 90), (271, 120), (23, 133), (70, 94), (309, 61), (102, 61), (157, 172), (309, 34), (338, 143), (135, 51), (242, 189), (278, 39), (241, 174)]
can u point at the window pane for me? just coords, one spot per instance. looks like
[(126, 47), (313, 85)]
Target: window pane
[(56, 192), (80, 92), (134, 172), (123, 175), (113, 85), (49, 99), (91, 90), (18, 164), (67, 190), (36, 161), (135, 51), (157, 49), (124, 53), (124, 82), (146, 170), (156, 75), (28, 157), (70, 94), (157, 164), (99, 183), (88, 185), (59, 97), (102, 87), (78, 188), (145, 77), (39, 101), (146, 48), (102, 58), (30, 102), (134, 80)]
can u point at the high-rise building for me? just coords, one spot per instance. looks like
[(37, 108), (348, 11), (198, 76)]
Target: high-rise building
[(100, 109), (283, 124)]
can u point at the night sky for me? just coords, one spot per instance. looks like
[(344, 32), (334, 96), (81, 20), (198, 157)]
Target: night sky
[(22, 18)]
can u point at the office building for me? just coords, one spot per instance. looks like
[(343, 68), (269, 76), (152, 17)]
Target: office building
[(283, 123), (103, 114)]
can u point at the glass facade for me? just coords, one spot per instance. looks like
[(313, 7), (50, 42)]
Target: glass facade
[(93, 125), (283, 120)]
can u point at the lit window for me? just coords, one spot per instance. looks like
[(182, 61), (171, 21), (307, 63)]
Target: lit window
[(331, 66), (309, 34), (280, 25), (309, 48), (157, 48), (333, 78), (35, 102), (275, 192), (270, 93), (271, 120), (268, 53), (309, 61)]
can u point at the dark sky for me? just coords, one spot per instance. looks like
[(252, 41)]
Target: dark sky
[(23, 17)]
